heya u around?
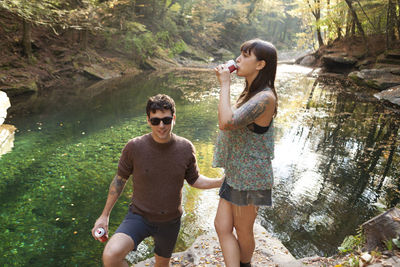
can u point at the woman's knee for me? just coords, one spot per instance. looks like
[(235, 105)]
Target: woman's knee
[(222, 227), (244, 231)]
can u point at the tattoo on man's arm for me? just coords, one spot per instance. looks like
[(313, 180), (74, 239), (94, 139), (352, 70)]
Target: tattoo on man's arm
[(117, 185), (248, 112)]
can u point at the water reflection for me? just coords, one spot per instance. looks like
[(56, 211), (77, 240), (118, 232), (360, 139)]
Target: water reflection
[(332, 164), (337, 152)]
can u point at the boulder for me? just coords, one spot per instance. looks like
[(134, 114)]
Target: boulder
[(27, 86), (379, 79), (6, 138), (382, 228), (192, 53), (338, 63), (392, 95), (223, 54), (393, 53), (98, 72), (4, 105), (385, 59), (308, 61)]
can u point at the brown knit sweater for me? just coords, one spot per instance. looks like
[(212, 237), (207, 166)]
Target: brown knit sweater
[(158, 170)]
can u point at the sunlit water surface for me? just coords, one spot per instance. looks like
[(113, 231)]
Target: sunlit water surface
[(337, 154)]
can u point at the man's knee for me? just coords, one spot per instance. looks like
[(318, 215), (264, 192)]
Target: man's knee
[(116, 249), (112, 254)]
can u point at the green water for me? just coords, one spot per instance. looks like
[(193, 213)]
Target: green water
[(337, 153)]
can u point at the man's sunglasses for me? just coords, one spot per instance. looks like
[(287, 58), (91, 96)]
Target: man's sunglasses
[(156, 121)]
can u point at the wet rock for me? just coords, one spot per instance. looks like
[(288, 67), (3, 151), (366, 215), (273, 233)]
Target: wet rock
[(393, 53), (6, 138), (388, 59), (308, 61), (365, 63), (379, 79), (392, 95), (381, 228), (338, 63), (27, 86), (4, 105), (98, 72)]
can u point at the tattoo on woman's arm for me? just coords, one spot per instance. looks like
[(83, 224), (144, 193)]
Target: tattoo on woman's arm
[(117, 185), (248, 112)]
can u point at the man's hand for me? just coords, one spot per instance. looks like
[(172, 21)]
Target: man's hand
[(101, 222), (115, 190), (204, 182)]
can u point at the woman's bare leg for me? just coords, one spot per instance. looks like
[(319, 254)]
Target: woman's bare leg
[(243, 221), (224, 226)]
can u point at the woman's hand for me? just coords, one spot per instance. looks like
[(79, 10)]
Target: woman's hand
[(223, 75)]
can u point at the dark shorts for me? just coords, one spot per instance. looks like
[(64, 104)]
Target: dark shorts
[(247, 197), (164, 234)]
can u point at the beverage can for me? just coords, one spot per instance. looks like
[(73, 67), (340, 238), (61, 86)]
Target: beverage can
[(101, 234), (231, 64)]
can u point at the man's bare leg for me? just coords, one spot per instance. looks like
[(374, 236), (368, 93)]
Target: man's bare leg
[(161, 261), (116, 250)]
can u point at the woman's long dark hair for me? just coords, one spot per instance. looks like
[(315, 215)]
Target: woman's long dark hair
[(266, 77)]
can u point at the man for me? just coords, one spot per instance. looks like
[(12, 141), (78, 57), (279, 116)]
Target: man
[(159, 163)]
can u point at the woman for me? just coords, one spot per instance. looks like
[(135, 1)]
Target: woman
[(244, 148)]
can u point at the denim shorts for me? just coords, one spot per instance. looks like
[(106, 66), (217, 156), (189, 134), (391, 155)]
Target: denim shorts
[(247, 197), (164, 234)]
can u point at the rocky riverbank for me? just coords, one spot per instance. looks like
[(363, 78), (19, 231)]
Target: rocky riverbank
[(205, 251), (378, 68), (270, 252)]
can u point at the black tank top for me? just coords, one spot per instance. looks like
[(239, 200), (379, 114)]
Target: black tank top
[(255, 128)]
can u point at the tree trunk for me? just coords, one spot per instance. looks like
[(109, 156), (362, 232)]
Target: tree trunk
[(390, 27), (348, 24), (84, 38), (26, 40), (398, 18), (319, 36), (339, 32), (317, 14), (358, 24)]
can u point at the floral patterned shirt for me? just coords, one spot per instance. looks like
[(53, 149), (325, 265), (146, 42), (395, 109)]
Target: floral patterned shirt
[(246, 157)]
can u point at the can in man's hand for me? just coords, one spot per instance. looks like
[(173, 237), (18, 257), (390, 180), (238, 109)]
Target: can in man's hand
[(101, 234)]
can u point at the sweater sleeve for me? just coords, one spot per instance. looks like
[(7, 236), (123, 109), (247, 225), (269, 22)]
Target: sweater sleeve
[(125, 164), (192, 170)]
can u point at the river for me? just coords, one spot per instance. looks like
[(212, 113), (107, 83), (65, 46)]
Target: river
[(337, 156)]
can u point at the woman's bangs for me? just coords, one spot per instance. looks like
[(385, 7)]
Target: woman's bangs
[(248, 47)]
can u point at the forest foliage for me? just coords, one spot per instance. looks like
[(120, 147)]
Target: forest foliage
[(144, 28)]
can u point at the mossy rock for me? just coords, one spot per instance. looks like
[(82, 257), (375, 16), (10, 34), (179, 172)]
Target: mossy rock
[(393, 53), (193, 54), (25, 87), (223, 54), (382, 58)]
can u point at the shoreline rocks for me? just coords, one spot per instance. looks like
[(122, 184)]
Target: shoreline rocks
[(206, 252)]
